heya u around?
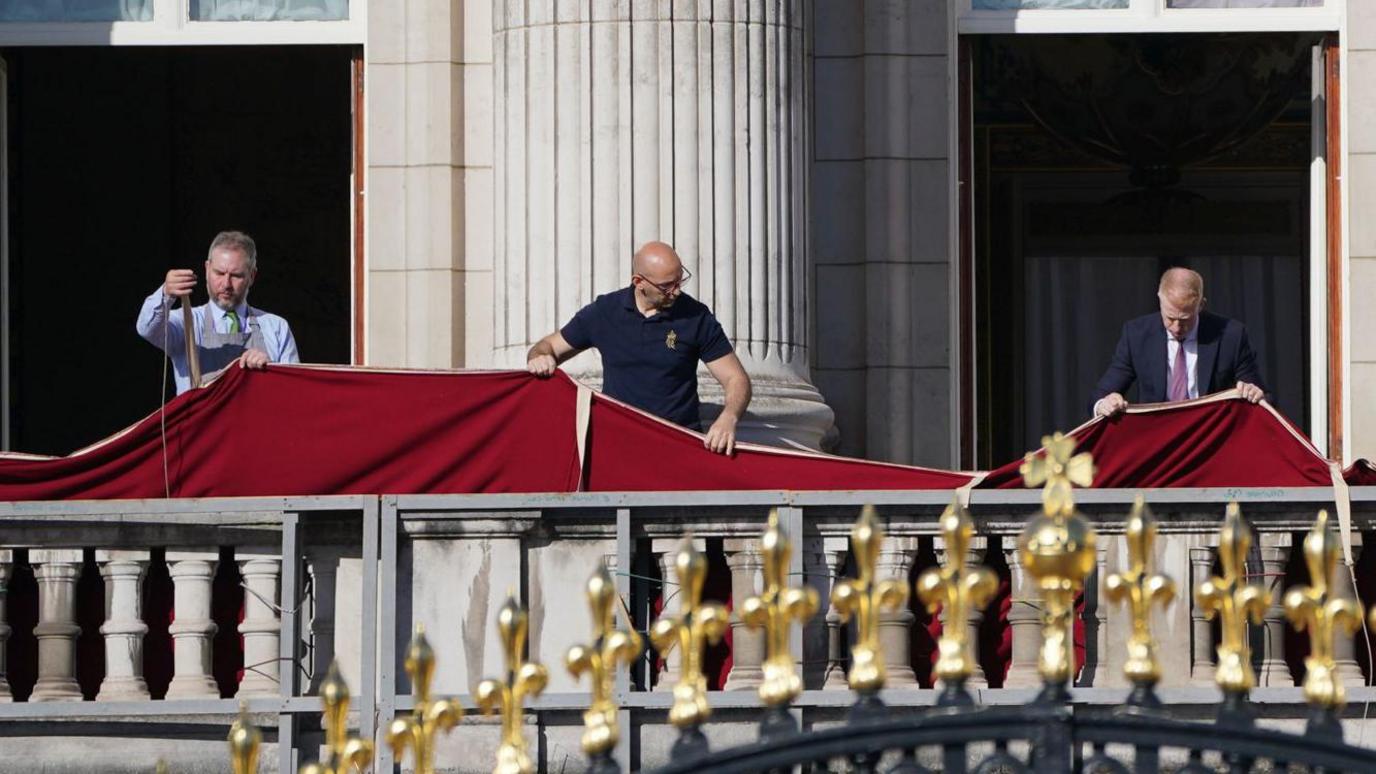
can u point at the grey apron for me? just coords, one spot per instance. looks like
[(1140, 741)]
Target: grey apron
[(217, 350)]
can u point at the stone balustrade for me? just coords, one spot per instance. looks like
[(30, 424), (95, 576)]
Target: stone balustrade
[(443, 561)]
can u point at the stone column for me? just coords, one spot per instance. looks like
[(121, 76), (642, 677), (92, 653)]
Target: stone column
[(835, 550), (124, 627), (974, 557), (747, 645), (1275, 554), (663, 550), (896, 628), (1201, 631), (6, 569), (56, 571), (261, 627), (322, 565), (1024, 618), (815, 657), (1097, 671), (192, 630), (678, 120)]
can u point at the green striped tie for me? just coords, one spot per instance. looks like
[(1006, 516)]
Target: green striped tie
[(233, 322)]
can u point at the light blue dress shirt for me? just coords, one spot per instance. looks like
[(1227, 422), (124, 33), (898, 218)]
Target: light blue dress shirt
[(165, 332)]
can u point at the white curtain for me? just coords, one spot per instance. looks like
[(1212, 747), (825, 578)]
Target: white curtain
[(1075, 308), (269, 10), (75, 10), (1031, 5)]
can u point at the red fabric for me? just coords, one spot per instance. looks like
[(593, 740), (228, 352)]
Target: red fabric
[(302, 431), (1198, 444), (631, 452), (318, 431), (1360, 473)]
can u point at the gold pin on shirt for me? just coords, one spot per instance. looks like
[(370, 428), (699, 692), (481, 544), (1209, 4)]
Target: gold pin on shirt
[(671, 341)]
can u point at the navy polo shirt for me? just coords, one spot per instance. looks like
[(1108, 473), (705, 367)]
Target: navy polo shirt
[(650, 362)]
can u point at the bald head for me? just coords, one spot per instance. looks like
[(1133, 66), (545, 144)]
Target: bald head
[(657, 262)]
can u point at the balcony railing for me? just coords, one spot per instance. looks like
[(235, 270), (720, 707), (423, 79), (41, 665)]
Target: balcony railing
[(360, 572)]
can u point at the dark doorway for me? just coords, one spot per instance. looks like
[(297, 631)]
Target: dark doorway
[(1101, 161), (124, 163)]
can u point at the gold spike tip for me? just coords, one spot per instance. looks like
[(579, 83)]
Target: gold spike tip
[(333, 690), (244, 743), (160, 767)]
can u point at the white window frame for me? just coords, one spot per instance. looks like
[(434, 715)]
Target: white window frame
[(172, 26), (1150, 16)]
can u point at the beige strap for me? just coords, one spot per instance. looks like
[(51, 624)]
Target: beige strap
[(1342, 500), (582, 418), (193, 358), (963, 492)]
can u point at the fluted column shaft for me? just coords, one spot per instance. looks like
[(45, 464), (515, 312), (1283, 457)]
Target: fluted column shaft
[(677, 120), (193, 631), (261, 627), (896, 559), (1201, 631), (974, 557), (1275, 554), (1024, 619), (124, 627), (6, 570), (57, 572), (747, 645)]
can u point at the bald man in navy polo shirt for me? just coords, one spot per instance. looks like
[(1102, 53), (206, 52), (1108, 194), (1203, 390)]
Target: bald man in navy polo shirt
[(651, 336)]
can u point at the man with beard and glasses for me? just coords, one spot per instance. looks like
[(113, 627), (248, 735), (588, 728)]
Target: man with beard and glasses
[(651, 336), (227, 329)]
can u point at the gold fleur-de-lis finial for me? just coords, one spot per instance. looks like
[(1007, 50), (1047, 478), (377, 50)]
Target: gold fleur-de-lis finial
[(1314, 607), (598, 660), (956, 589), (1234, 601), (428, 717), (244, 741), (697, 625), (343, 753), (1057, 551), (863, 598), (160, 767), (508, 696), (1059, 471), (1141, 588), (776, 609)]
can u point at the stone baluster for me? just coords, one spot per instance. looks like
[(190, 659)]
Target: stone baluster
[(663, 550), (1024, 619), (896, 559), (6, 569), (747, 645), (1275, 554), (815, 657), (56, 571), (835, 550), (1345, 646), (192, 630), (322, 565), (1201, 631), (262, 626), (124, 627), (974, 557)]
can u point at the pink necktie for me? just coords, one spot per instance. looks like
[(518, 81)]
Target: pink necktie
[(1180, 381)]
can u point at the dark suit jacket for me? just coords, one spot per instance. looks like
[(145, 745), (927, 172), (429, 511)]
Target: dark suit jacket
[(1225, 358)]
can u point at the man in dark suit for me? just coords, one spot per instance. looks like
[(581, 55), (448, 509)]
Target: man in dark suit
[(1179, 354)]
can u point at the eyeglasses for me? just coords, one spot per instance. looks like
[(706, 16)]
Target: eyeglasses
[(668, 287)]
